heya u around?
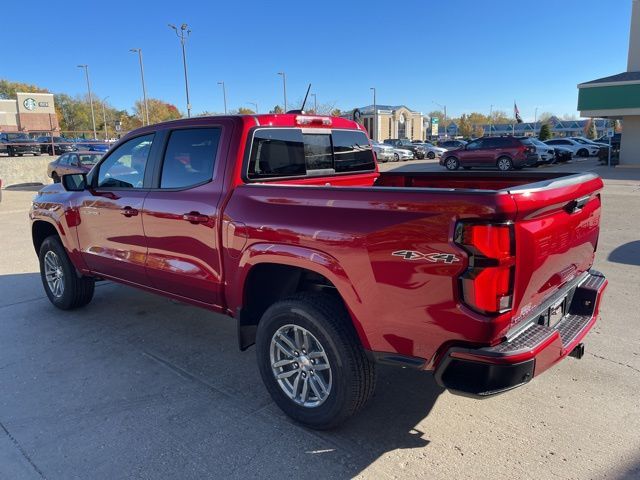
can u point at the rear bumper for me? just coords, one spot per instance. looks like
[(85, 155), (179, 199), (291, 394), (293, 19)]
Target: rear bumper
[(481, 372)]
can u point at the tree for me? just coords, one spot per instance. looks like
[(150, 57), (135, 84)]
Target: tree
[(9, 89), (245, 111), (336, 112), (545, 116), (591, 132), (464, 127), (277, 109), (478, 118), (477, 131), (159, 111), (545, 132)]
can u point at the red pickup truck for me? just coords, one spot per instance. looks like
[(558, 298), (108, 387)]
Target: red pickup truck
[(329, 266)]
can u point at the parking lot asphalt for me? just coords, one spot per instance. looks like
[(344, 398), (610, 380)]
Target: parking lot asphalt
[(137, 386)]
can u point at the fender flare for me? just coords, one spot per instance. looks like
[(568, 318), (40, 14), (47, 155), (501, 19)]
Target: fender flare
[(67, 236)]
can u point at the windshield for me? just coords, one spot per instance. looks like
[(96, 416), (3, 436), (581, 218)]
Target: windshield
[(580, 140), (89, 160), (535, 141)]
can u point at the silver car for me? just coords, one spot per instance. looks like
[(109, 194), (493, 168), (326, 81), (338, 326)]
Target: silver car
[(384, 153), (402, 154)]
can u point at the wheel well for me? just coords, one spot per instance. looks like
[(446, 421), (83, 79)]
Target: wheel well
[(40, 231), (266, 284)]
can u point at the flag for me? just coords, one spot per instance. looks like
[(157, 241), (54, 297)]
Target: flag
[(517, 113)]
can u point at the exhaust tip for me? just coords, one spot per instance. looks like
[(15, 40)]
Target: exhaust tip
[(578, 351)]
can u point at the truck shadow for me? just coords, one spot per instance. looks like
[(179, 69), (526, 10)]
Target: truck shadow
[(134, 367), (628, 254)]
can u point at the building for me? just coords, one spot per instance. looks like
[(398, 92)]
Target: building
[(559, 128), (28, 112), (393, 121), (618, 96)]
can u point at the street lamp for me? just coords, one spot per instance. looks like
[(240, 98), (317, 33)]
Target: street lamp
[(224, 95), (104, 118), (315, 103), (284, 88), (144, 88), (182, 35), (254, 104), (490, 118), (375, 115), (444, 107), (93, 117)]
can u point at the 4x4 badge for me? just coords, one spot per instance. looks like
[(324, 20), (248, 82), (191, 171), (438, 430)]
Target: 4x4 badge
[(430, 257)]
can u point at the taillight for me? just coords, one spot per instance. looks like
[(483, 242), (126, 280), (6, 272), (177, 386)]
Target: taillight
[(487, 285)]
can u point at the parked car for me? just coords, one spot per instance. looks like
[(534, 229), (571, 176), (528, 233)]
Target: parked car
[(505, 153), (452, 144), (418, 150), (60, 145), (328, 265), (615, 140), (92, 146), (545, 153), (578, 149), (402, 154), (73, 162), (563, 154), (587, 141), (384, 153), (18, 144), (430, 149)]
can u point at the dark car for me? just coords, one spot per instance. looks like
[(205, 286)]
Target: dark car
[(73, 162), (60, 145), (505, 153), (92, 146), (419, 151), (18, 144), (452, 144), (563, 154)]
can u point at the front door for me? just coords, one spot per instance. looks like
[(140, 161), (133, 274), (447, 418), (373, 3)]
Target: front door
[(110, 232), (475, 154), (181, 215)]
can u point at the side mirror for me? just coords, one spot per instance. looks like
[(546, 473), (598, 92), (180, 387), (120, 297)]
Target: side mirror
[(74, 182)]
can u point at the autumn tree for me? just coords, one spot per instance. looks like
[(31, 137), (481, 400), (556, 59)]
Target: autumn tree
[(245, 111), (464, 126), (545, 132), (9, 89), (277, 109), (477, 131), (592, 134), (159, 111)]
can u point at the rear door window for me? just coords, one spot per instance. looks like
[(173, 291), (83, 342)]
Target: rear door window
[(190, 157), (277, 153)]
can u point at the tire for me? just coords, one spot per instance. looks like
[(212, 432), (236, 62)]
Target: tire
[(349, 380), (55, 177), (504, 164), (419, 156), (431, 155), (11, 152), (452, 163), (583, 153), (396, 157), (75, 291)]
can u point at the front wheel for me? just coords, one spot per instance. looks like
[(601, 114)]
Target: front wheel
[(431, 155), (504, 164), (62, 284), (583, 152), (451, 163), (396, 157), (311, 360)]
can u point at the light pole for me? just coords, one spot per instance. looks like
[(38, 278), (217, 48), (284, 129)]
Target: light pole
[(490, 118), (315, 103), (224, 95), (375, 115), (535, 122), (93, 117), (182, 35), (444, 107), (144, 88), (254, 104), (104, 118), (284, 88)]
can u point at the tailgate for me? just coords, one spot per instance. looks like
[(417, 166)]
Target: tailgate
[(556, 231)]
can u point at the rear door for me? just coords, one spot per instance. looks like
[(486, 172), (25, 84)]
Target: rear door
[(181, 214)]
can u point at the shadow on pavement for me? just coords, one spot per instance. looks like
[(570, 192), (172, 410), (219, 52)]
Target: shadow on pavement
[(135, 385), (628, 254)]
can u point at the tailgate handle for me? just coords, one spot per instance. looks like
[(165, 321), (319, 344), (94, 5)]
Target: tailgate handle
[(577, 204)]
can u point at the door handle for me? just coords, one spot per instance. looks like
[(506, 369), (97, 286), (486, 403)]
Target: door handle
[(129, 212), (195, 217)]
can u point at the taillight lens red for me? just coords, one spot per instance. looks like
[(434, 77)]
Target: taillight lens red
[(487, 286)]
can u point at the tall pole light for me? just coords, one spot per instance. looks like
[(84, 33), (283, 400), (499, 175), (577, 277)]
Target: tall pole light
[(375, 115), (315, 102), (535, 122), (224, 95), (490, 118), (93, 117), (104, 118), (444, 107), (144, 88), (182, 34), (255, 104), (284, 88)]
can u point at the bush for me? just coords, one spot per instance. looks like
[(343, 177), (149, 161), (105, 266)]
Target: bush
[(545, 132)]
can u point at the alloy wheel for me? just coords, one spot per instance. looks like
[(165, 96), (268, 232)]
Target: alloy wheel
[(54, 274)]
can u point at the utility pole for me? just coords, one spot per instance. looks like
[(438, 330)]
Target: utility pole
[(144, 88), (284, 87), (375, 115), (182, 35), (104, 118), (93, 117), (535, 122), (490, 118), (224, 95)]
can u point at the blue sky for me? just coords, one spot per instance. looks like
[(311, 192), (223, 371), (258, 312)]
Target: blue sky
[(463, 53)]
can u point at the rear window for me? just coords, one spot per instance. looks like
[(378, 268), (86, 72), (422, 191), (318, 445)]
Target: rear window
[(282, 152)]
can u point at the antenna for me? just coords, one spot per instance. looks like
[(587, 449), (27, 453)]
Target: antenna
[(304, 102)]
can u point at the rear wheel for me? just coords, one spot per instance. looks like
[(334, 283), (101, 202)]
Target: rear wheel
[(451, 163), (504, 164), (65, 288), (431, 155), (583, 152), (311, 360), (55, 177)]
